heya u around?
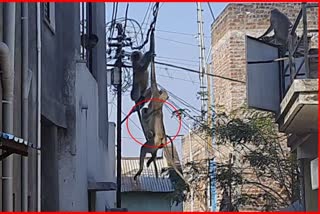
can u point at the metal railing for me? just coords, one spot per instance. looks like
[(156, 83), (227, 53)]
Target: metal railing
[(295, 54)]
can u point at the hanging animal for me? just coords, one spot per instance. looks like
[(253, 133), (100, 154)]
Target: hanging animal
[(152, 121)]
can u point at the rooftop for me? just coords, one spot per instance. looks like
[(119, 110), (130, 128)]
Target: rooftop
[(146, 182)]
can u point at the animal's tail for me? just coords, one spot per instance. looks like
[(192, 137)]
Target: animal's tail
[(171, 146)]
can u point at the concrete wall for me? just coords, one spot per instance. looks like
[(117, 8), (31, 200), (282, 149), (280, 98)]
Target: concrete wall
[(99, 167), (311, 196), (147, 201), (49, 165), (88, 162), (111, 154), (99, 67), (75, 143), (307, 151)]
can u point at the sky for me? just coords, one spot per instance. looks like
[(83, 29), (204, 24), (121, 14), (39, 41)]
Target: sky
[(176, 43)]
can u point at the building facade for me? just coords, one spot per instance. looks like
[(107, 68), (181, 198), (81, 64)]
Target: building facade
[(229, 47), (295, 96), (77, 142), (229, 33)]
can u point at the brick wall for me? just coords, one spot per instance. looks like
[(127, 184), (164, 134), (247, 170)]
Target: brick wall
[(196, 144), (228, 44)]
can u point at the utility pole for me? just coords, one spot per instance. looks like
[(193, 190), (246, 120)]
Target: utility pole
[(117, 81), (201, 58), (209, 137), (205, 96), (119, 107)]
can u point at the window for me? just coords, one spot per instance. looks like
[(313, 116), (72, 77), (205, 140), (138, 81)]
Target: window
[(49, 15)]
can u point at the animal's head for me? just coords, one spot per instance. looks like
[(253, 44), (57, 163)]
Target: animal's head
[(136, 56), (275, 11), (144, 112), (89, 41), (163, 95)]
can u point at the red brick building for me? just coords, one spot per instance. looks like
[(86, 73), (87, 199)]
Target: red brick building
[(229, 60)]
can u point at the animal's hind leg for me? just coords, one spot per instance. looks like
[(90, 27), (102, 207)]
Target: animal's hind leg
[(155, 168), (143, 153), (153, 159)]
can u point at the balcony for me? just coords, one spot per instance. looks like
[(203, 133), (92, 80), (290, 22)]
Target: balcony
[(285, 85), (299, 108)]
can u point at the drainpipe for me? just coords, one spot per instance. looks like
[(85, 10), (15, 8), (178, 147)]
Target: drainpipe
[(26, 81), (7, 66), (38, 109)]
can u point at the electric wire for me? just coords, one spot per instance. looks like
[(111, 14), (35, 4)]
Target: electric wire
[(211, 11), (144, 19), (178, 42), (113, 20), (134, 123), (195, 71), (180, 63), (203, 141), (152, 25), (177, 32), (126, 19), (178, 59), (147, 23), (112, 102), (183, 102), (145, 16), (176, 78)]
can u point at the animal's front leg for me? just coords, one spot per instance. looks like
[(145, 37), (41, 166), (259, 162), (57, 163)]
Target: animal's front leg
[(143, 153)]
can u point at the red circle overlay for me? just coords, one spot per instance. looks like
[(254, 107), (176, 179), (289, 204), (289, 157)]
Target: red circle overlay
[(156, 100)]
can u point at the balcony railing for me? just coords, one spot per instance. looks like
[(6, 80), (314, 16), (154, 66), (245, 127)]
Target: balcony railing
[(270, 72), (302, 61)]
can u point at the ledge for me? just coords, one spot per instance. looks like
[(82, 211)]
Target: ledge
[(101, 186), (299, 108)]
